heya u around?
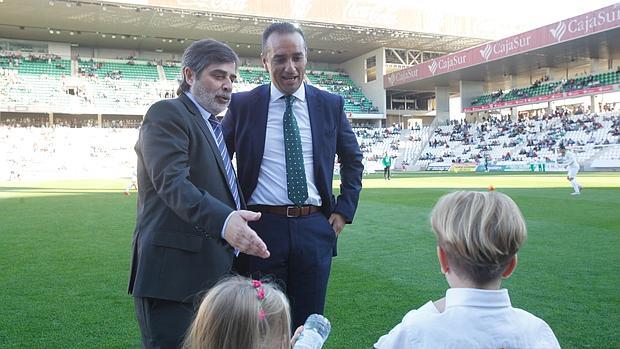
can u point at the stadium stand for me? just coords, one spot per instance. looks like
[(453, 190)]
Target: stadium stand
[(602, 79), (253, 76), (41, 64), (374, 142), (66, 152), (97, 86), (542, 88), (118, 69), (85, 94), (339, 83), (531, 140), (172, 71), (110, 84)]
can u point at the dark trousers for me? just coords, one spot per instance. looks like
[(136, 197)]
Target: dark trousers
[(301, 254), (386, 172), (163, 323)]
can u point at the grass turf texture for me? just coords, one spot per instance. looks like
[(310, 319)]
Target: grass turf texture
[(66, 246)]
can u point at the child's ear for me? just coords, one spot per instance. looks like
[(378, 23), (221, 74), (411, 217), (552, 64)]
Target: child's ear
[(510, 268), (443, 260)]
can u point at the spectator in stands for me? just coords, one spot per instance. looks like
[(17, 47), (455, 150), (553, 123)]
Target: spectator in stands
[(186, 183), (301, 205), (478, 237), (242, 313)]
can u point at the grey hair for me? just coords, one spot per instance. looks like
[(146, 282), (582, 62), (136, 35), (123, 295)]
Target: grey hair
[(203, 53)]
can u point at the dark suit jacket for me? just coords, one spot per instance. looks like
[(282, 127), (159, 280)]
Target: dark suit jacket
[(245, 126), (183, 202)]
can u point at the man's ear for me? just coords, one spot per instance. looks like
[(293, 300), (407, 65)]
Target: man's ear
[(189, 76), (510, 268), (443, 260), (263, 59)]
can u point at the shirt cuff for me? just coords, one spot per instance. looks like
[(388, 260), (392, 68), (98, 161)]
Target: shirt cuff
[(224, 230)]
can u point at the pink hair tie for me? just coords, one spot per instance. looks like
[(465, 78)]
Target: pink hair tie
[(260, 294)]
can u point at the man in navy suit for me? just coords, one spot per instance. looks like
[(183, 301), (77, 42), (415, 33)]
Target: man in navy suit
[(286, 136)]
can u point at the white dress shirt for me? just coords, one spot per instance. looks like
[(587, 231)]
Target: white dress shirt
[(271, 188), (206, 115), (472, 319), (203, 112)]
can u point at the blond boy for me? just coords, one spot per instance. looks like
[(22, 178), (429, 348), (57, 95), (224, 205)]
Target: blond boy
[(478, 236)]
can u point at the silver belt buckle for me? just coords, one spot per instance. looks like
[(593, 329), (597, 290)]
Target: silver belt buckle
[(288, 209)]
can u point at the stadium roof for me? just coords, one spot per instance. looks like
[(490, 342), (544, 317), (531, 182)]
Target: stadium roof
[(567, 44), (149, 28)]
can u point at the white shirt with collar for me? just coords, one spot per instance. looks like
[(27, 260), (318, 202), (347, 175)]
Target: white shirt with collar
[(203, 112), (472, 319), (271, 187), (206, 115)]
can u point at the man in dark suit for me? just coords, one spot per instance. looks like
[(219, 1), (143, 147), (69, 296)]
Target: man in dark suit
[(286, 135), (189, 220)]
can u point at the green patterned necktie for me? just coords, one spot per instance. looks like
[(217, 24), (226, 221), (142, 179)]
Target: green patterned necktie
[(295, 171)]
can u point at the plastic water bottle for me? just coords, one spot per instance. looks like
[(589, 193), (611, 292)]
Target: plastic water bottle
[(316, 330)]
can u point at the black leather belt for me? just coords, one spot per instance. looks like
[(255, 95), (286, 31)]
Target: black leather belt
[(287, 211)]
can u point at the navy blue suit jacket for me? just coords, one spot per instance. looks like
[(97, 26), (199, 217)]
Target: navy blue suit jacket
[(245, 126)]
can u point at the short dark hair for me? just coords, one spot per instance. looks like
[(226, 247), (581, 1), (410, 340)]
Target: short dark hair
[(203, 53), (280, 28)]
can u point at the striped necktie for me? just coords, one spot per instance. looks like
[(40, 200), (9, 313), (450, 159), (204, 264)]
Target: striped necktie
[(230, 174), (296, 184)]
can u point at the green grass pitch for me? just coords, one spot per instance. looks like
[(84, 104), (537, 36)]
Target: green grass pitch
[(65, 248)]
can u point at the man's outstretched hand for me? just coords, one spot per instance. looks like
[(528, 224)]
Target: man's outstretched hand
[(240, 236)]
